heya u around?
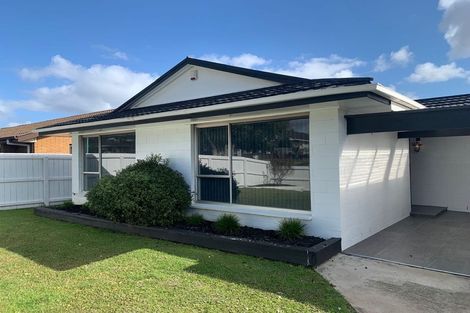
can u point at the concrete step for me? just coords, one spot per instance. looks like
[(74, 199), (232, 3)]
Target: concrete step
[(427, 210)]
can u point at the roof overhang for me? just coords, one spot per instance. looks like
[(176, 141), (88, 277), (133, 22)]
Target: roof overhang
[(414, 123), (371, 91)]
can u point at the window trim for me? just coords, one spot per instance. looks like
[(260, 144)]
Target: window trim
[(100, 155), (235, 207)]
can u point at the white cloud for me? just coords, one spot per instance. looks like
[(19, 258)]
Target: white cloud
[(82, 89), (401, 57), (332, 66), (247, 60), (430, 73), (382, 64), (112, 53), (456, 26)]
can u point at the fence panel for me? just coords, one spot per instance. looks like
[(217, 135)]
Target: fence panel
[(28, 180)]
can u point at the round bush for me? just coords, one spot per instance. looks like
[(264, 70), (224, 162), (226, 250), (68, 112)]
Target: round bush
[(146, 193)]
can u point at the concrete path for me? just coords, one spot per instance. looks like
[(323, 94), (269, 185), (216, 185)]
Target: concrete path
[(381, 287)]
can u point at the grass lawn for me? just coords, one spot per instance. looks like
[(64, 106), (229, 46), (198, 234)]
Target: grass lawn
[(52, 266)]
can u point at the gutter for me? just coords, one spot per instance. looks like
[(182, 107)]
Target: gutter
[(373, 91), (28, 146)]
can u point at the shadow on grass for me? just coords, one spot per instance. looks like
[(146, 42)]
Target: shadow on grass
[(62, 246)]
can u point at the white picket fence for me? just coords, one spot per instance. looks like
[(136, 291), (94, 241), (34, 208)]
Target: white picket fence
[(28, 180)]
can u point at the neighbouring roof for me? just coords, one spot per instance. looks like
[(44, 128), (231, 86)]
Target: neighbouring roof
[(303, 85), (446, 102), (28, 131)]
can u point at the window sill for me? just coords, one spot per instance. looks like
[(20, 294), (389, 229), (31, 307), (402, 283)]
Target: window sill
[(253, 210)]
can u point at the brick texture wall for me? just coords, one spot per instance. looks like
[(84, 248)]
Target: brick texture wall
[(53, 144)]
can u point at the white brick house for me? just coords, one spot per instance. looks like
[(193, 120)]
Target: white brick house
[(260, 145)]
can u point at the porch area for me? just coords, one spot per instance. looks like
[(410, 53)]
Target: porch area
[(439, 243)]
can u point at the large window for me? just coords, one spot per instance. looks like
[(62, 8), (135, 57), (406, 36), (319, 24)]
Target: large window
[(105, 155), (267, 163)]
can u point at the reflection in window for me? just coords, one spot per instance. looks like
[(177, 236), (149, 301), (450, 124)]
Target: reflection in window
[(213, 176), (91, 162), (117, 152), (268, 164), (105, 155)]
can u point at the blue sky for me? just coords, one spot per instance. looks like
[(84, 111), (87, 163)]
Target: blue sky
[(59, 58)]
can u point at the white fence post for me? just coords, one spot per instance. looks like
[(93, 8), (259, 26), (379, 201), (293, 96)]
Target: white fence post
[(46, 180)]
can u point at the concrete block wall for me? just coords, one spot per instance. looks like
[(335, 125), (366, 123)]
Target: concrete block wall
[(374, 184), (440, 173)]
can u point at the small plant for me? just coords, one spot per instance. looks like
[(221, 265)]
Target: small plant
[(227, 224), (194, 219), (291, 228)]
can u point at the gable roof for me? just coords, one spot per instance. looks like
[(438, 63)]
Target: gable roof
[(279, 78), (446, 101), (27, 131), (304, 85)]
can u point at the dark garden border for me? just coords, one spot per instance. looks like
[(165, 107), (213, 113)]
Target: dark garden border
[(307, 256)]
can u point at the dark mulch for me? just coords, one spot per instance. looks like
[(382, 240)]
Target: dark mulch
[(256, 234)]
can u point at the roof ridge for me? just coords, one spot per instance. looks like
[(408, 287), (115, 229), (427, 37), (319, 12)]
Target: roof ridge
[(276, 77)]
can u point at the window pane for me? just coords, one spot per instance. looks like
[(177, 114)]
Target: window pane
[(90, 154), (91, 163), (270, 164), (213, 151), (91, 144), (214, 189), (119, 143), (89, 181), (117, 152), (213, 160)]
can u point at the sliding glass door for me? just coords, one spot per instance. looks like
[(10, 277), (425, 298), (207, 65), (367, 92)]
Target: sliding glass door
[(267, 163)]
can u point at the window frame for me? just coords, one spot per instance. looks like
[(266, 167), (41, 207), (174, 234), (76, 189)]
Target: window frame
[(229, 158), (229, 124), (100, 158)]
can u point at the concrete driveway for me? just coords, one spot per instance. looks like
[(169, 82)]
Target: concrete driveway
[(440, 243), (381, 287)]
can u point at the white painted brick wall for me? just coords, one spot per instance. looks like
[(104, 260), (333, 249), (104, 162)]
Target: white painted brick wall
[(440, 173), (324, 172), (374, 184)]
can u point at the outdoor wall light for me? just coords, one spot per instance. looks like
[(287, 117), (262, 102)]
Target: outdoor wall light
[(417, 145)]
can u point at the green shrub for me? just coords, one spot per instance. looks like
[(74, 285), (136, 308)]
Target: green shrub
[(227, 224), (291, 228), (194, 219), (147, 193)]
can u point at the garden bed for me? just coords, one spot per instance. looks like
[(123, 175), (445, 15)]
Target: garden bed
[(308, 251)]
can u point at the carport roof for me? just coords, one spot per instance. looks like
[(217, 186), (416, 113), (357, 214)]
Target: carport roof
[(431, 122)]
